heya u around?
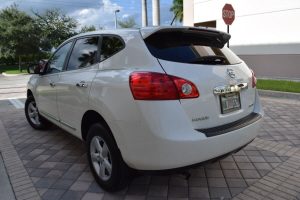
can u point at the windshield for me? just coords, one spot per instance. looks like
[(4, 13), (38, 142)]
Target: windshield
[(189, 48)]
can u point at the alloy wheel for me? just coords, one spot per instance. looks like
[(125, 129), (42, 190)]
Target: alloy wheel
[(101, 158), (33, 113)]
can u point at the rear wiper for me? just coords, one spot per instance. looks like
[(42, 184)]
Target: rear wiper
[(211, 60)]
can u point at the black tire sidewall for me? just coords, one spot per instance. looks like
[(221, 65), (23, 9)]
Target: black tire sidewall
[(112, 184), (44, 124)]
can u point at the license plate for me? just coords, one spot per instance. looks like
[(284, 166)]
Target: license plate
[(230, 102)]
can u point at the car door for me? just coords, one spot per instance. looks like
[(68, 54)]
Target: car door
[(75, 82), (46, 84)]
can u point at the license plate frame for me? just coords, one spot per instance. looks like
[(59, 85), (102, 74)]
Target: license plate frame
[(230, 102)]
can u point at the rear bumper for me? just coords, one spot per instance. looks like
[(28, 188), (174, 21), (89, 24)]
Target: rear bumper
[(194, 166), (166, 140), (223, 129)]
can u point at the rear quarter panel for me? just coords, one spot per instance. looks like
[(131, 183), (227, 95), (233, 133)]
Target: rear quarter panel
[(110, 93)]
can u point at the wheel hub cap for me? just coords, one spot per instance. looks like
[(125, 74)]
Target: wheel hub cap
[(33, 113), (101, 158)]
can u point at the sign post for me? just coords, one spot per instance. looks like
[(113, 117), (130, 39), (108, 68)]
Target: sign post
[(228, 15)]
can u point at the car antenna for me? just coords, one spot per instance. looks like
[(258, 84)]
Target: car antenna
[(174, 19)]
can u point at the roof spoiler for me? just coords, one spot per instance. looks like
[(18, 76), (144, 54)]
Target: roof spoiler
[(222, 37)]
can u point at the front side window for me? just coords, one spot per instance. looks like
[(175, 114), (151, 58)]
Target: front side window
[(84, 53), (56, 62), (110, 46)]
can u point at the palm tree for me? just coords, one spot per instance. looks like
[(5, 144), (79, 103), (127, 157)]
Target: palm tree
[(177, 7)]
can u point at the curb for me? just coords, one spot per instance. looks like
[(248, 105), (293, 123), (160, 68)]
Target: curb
[(286, 95), (21, 183), (6, 191), (4, 74)]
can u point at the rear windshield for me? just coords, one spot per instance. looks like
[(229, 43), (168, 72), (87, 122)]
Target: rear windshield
[(189, 48)]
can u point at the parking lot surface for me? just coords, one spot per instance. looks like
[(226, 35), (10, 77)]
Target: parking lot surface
[(52, 164)]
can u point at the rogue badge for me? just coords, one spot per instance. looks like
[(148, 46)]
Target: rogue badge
[(200, 118)]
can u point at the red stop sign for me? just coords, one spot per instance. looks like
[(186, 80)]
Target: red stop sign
[(228, 14)]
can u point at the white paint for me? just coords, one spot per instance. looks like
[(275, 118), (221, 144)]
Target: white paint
[(17, 103), (188, 13)]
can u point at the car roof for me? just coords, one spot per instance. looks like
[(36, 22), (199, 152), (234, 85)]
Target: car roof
[(144, 30), (108, 31), (149, 30)]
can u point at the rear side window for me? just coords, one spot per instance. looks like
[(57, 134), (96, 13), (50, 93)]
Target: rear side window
[(84, 53), (188, 48), (110, 46)]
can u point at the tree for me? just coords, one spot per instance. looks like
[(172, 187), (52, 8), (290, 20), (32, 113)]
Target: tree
[(128, 23), (56, 25), (177, 8), (85, 28), (19, 34)]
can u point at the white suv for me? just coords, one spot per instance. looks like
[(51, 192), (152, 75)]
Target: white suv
[(155, 99)]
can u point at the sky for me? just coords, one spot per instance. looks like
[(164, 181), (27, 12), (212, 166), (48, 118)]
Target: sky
[(97, 12)]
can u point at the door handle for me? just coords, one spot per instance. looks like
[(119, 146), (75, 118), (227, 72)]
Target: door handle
[(52, 84), (82, 84)]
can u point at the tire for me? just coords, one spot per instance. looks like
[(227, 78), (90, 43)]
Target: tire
[(105, 160), (33, 117)]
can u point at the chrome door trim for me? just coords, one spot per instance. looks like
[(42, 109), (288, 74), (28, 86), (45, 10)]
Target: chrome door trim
[(68, 125), (230, 88), (50, 116), (58, 120)]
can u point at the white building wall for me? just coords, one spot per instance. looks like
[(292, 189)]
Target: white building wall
[(261, 27), (188, 13)]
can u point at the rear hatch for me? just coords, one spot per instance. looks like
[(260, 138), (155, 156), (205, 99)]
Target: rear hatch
[(222, 79)]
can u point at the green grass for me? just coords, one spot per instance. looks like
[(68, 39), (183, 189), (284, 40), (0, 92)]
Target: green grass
[(13, 69), (278, 85)]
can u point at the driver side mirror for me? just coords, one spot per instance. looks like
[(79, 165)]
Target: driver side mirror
[(37, 70), (32, 68), (44, 69)]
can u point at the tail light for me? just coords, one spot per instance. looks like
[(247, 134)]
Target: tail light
[(254, 80), (157, 86)]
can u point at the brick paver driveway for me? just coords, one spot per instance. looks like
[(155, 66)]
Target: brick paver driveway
[(52, 164)]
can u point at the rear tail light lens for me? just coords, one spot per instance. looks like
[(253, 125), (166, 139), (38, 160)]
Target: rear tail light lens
[(185, 88), (254, 80), (157, 86)]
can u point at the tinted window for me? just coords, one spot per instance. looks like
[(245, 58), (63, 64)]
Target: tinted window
[(56, 62), (84, 53), (110, 46), (185, 48)]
